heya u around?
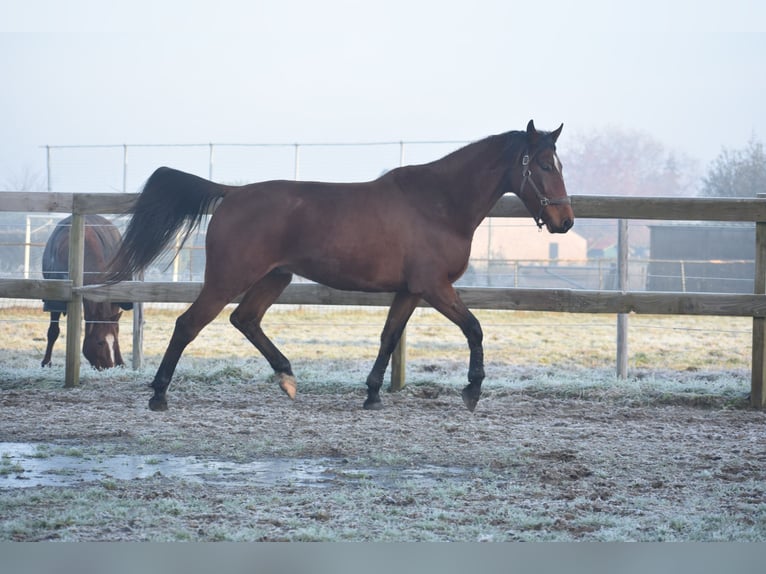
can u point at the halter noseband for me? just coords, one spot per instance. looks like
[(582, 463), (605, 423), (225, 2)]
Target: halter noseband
[(526, 177)]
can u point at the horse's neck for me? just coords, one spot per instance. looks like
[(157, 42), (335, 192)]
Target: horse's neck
[(97, 311), (469, 181)]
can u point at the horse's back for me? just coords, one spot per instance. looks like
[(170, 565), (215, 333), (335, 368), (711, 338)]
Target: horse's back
[(304, 214), (369, 236), (101, 240)]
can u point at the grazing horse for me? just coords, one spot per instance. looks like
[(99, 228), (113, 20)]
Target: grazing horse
[(408, 232), (100, 344)]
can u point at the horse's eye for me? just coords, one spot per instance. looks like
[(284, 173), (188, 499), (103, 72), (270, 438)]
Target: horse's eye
[(547, 167)]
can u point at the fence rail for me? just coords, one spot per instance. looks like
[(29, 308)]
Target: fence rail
[(499, 298), (586, 206), (563, 300)]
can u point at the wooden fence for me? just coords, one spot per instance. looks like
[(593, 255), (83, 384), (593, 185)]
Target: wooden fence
[(620, 302)]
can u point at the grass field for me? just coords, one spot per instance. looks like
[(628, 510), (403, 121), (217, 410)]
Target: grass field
[(558, 340)]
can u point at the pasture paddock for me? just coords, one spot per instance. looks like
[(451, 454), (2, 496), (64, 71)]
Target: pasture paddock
[(566, 300), (689, 343), (549, 454)]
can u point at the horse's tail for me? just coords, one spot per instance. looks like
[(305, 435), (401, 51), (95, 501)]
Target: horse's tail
[(170, 201)]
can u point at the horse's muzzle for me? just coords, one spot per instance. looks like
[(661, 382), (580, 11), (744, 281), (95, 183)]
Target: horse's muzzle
[(564, 226)]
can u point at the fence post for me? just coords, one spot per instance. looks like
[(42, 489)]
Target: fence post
[(622, 284), (399, 356), (74, 307), (758, 379), (138, 331)]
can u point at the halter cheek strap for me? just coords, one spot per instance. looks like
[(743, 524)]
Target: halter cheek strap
[(526, 178)]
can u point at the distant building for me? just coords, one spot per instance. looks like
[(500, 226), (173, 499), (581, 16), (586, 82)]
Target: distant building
[(717, 258), (514, 253), (510, 239)]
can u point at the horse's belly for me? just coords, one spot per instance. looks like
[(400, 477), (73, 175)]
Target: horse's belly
[(351, 276)]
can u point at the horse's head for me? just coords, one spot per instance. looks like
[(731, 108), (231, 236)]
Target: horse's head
[(100, 344), (542, 186)]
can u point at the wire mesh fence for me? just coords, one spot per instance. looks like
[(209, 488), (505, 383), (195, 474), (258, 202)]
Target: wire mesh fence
[(124, 167), (506, 253), (23, 238)]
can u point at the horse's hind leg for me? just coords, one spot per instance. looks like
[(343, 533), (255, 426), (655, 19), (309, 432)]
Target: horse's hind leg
[(206, 308), (247, 318), (53, 334), (399, 313)]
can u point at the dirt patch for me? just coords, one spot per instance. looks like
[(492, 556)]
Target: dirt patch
[(536, 461)]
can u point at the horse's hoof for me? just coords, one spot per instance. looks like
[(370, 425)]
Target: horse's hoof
[(288, 385), (158, 404), (375, 405), (470, 398)]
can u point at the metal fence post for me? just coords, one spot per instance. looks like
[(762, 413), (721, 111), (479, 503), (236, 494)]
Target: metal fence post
[(48, 167), (27, 246), (124, 168), (622, 285), (210, 164)]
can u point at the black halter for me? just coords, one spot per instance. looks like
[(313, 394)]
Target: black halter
[(526, 177)]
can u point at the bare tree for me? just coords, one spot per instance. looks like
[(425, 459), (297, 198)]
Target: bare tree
[(616, 161), (25, 180), (737, 172)]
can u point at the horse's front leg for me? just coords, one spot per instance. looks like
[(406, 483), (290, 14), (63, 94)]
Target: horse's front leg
[(448, 303), (401, 309), (474, 336), (118, 361), (53, 334), (117, 354)]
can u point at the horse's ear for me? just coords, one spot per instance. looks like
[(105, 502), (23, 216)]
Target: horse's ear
[(532, 134), (115, 318), (555, 134)]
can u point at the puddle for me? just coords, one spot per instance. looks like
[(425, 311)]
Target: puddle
[(25, 465)]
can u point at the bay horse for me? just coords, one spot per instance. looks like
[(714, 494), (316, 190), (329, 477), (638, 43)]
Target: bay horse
[(408, 232), (101, 345)]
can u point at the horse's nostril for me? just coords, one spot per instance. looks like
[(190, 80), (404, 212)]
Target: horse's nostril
[(567, 224)]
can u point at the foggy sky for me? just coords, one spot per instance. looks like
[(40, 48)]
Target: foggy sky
[(81, 72)]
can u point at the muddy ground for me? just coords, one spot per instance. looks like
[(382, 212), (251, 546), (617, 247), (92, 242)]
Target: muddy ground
[(537, 460)]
